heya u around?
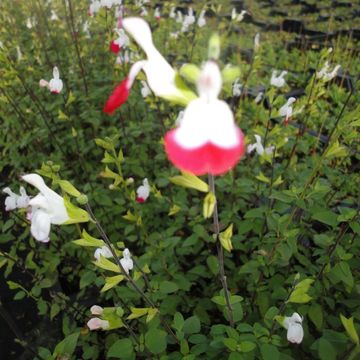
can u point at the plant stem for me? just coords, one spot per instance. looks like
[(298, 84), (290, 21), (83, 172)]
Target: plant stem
[(126, 275), (220, 251)]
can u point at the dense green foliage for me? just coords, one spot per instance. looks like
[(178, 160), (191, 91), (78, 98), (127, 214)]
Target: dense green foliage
[(295, 215)]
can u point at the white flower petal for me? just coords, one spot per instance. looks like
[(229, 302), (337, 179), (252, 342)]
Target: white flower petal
[(40, 225)]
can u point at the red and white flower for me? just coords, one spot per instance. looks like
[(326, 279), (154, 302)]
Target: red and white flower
[(287, 110), (143, 191), (55, 85), (119, 43), (207, 140), (160, 76)]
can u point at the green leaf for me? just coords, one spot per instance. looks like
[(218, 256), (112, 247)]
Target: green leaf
[(247, 346), (151, 314), (192, 325), (335, 150), (350, 328), (214, 47), (155, 341), (263, 178), (112, 281), (168, 287), (299, 298), (106, 264), (316, 315), (66, 347), (178, 322), (230, 343), (230, 73), (107, 145), (326, 350), (269, 352), (87, 278), (188, 180), (326, 217), (121, 349)]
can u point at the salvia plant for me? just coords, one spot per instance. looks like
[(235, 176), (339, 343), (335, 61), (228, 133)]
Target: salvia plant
[(180, 180)]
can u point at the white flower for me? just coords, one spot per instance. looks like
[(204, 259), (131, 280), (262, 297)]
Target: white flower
[(188, 20), (325, 73), (145, 90), (287, 110), (106, 3), (94, 7), (86, 29), (96, 310), (257, 42), (174, 35), (143, 12), (19, 53), (201, 20), (259, 97), (179, 17), (55, 85), (103, 251), (237, 88), (160, 75), (29, 23), (53, 16), (126, 261), (14, 201), (172, 12), (179, 118), (143, 191), (96, 323), (237, 17), (46, 208), (258, 146), (278, 81), (295, 332)]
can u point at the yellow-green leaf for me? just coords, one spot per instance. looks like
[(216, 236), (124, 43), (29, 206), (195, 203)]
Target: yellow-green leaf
[(76, 214), (299, 298), (151, 314), (190, 72), (130, 216), (112, 281), (263, 178), (106, 264), (225, 238), (69, 188), (209, 205), (137, 312), (190, 181), (350, 328), (174, 210), (336, 150)]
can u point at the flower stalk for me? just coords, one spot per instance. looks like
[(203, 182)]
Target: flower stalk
[(220, 251)]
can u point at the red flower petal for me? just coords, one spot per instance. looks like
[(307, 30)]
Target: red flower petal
[(208, 158), (118, 97), (114, 47), (140, 200)]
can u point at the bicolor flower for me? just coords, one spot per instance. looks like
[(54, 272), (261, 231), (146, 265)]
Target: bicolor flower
[(278, 81), (201, 20), (103, 251), (287, 110), (55, 85), (14, 201), (96, 310), (95, 6), (121, 42), (160, 76), (145, 90), (143, 191), (157, 14), (47, 208), (325, 73), (237, 17), (295, 331), (172, 13), (126, 261), (97, 324), (237, 88), (258, 146), (207, 140)]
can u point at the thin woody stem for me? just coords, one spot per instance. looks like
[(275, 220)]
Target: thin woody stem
[(126, 275), (220, 251)]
